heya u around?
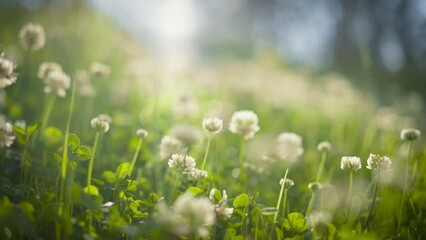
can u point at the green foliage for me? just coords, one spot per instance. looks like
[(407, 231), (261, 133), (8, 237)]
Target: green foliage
[(120, 205)]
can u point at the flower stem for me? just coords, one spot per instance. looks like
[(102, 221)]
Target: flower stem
[(207, 152), (64, 166), (241, 160), (280, 196), (92, 158), (404, 193), (135, 156), (48, 111), (373, 201), (321, 166), (310, 205), (351, 177)]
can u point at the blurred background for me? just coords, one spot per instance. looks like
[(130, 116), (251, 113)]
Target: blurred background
[(375, 44)]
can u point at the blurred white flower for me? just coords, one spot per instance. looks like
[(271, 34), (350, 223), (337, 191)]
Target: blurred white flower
[(245, 123), (315, 186), (170, 145), (47, 67), (141, 133), (186, 133), (186, 107), (288, 183), (32, 36), (6, 133), (324, 146), (220, 208), (105, 117), (213, 125), (289, 146), (197, 174), (84, 86), (184, 163), (351, 164), (319, 218), (100, 69), (57, 82), (7, 77), (379, 163), (410, 134), (188, 216), (100, 124)]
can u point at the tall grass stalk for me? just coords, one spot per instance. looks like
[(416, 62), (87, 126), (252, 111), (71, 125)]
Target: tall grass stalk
[(135, 156), (373, 202), (92, 158), (207, 152), (405, 189), (321, 166)]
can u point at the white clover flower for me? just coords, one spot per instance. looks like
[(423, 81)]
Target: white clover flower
[(351, 164), (220, 208), (315, 186), (170, 145), (213, 125), (6, 133), (141, 133), (47, 67), (188, 216), (288, 183), (187, 134), (32, 36), (184, 163), (100, 69), (100, 124), (319, 218), (7, 77), (245, 123), (324, 146), (57, 82), (197, 174), (289, 147), (186, 107), (83, 84), (105, 117), (379, 163), (410, 134)]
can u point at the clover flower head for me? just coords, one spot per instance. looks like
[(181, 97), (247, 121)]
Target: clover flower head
[(47, 67), (244, 122), (7, 76), (213, 125), (170, 145), (184, 163), (32, 36), (100, 69), (83, 84), (379, 163), (57, 82), (324, 146), (351, 164), (315, 187), (288, 183), (220, 208), (6, 133), (289, 146), (187, 134), (189, 215), (141, 133), (410, 134), (197, 174), (100, 124)]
